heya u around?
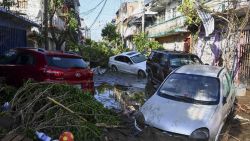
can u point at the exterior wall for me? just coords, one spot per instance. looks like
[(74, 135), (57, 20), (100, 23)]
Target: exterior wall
[(31, 9), (126, 13), (174, 42), (11, 38), (169, 27)]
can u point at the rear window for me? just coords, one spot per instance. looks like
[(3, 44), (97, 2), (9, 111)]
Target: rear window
[(64, 62), (180, 60)]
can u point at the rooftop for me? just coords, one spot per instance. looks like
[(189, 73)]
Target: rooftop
[(204, 70)]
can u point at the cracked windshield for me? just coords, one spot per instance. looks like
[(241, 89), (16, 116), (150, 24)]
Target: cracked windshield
[(124, 70)]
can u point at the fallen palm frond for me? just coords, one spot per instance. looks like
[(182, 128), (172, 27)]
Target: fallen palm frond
[(54, 108)]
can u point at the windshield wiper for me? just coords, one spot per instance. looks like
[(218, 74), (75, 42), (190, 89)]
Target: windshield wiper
[(188, 99)]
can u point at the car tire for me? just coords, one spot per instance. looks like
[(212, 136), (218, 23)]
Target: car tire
[(114, 68), (141, 74)]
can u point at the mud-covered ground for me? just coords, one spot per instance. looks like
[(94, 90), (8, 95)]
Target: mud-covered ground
[(125, 93)]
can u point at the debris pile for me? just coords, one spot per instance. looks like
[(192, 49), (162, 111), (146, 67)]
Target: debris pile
[(54, 108)]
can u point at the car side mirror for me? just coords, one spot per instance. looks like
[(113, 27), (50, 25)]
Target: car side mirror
[(224, 101)]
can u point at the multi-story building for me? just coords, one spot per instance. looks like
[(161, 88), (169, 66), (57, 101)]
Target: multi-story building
[(124, 21), (34, 11), (168, 25)]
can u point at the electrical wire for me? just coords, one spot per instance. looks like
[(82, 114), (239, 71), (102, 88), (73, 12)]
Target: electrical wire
[(98, 14), (91, 10)]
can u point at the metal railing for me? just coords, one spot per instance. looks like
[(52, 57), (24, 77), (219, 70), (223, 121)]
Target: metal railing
[(166, 26)]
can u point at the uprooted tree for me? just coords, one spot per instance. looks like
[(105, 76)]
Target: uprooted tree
[(54, 108), (231, 21)]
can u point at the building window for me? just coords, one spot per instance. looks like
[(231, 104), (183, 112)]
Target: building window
[(22, 3)]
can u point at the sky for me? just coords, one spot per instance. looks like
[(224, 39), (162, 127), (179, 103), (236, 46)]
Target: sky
[(106, 16)]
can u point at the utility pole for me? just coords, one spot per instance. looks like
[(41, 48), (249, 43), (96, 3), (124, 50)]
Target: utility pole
[(45, 23), (143, 16)]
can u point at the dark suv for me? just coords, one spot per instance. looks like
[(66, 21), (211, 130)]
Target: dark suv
[(162, 63), (21, 64)]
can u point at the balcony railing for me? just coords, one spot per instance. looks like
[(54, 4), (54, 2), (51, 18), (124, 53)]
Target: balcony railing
[(166, 27)]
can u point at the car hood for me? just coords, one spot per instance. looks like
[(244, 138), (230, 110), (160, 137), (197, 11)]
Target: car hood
[(141, 65), (177, 117)]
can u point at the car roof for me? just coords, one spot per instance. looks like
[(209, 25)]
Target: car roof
[(130, 53), (49, 53), (172, 52), (204, 70)]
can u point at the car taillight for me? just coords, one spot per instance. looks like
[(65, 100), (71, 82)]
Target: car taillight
[(54, 73)]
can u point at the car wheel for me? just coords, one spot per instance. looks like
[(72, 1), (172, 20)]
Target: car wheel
[(114, 68), (141, 74)]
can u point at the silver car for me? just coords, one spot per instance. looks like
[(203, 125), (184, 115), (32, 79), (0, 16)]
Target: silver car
[(193, 102)]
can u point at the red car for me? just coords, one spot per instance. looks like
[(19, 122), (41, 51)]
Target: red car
[(21, 64)]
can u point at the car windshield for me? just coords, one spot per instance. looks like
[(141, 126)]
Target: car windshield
[(180, 60), (138, 58), (63, 62), (191, 88)]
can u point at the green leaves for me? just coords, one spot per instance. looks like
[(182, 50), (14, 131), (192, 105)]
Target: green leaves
[(187, 9), (109, 32), (144, 45)]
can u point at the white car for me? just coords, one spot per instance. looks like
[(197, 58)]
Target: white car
[(129, 62), (192, 103)]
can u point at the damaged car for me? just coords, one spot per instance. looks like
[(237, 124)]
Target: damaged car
[(192, 103)]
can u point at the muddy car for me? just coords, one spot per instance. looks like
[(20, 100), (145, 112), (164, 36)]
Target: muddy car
[(192, 103)]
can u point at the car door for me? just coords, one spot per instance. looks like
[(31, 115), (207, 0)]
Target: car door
[(7, 67), (129, 66), (152, 65), (118, 59), (25, 65), (163, 70)]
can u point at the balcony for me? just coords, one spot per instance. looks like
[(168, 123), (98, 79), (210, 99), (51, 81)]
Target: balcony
[(169, 27)]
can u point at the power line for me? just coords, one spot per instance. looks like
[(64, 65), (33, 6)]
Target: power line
[(98, 14), (91, 10)]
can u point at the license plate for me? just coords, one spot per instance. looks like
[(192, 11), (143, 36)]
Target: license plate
[(79, 86)]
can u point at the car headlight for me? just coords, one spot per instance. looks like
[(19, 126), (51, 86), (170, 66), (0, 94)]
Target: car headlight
[(139, 121), (201, 134)]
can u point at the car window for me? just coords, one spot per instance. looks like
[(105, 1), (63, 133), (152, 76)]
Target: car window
[(180, 60), (25, 59), (225, 86), (8, 58), (119, 58), (138, 58), (156, 58), (191, 88), (127, 60), (164, 59), (63, 62)]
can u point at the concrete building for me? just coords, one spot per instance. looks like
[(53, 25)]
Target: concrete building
[(34, 10), (217, 47), (124, 21), (13, 30), (168, 25)]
